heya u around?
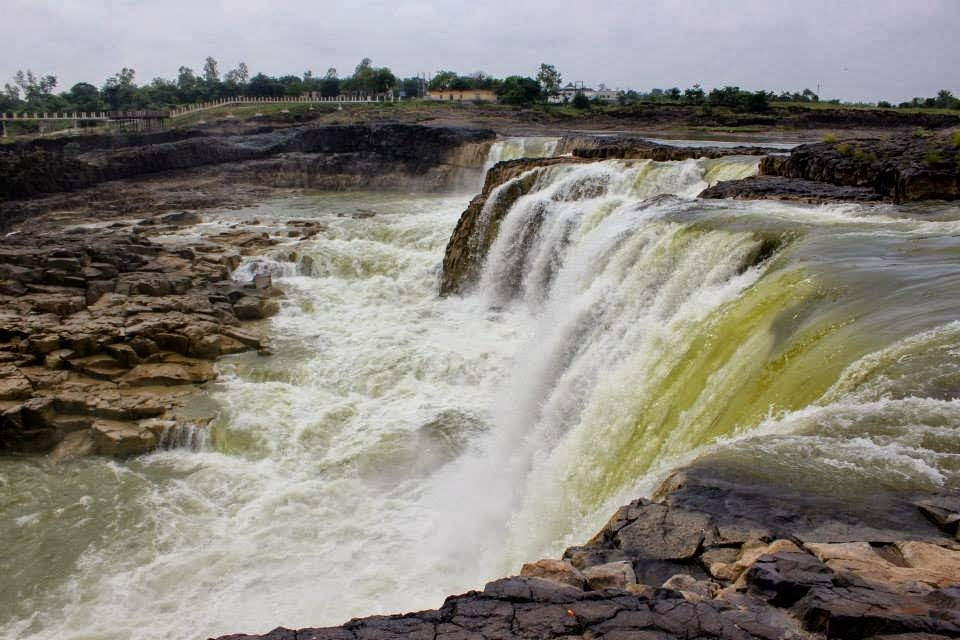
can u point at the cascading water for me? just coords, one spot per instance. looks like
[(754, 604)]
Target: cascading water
[(398, 447), (514, 148)]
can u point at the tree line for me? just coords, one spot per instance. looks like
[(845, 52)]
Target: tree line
[(33, 93)]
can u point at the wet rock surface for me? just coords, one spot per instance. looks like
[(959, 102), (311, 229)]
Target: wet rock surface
[(794, 189), (903, 168), (714, 559), (105, 332), (632, 148)]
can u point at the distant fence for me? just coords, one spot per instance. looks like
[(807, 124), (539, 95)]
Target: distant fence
[(203, 106), (151, 119)]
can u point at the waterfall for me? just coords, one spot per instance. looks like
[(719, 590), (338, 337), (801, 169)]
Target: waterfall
[(514, 148), (667, 327)]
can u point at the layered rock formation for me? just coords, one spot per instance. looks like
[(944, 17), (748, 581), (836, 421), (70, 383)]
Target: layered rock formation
[(36, 168), (902, 168), (104, 332)]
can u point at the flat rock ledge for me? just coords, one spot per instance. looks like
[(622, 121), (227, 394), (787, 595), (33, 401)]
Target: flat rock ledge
[(923, 165), (717, 559), (105, 333), (793, 189)]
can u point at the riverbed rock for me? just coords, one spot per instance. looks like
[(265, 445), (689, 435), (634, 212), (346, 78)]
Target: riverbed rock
[(555, 570), (612, 575), (901, 168), (66, 359), (77, 444), (121, 439)]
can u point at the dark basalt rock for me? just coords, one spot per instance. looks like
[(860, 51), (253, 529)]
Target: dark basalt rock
[(28, 170), (620, 147), (795, 189), (902, 168)]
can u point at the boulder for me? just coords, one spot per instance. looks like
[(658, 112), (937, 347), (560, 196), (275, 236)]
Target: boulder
[(77, 444), (13, 384), (691, 588), (122, 439), (555, 570), (613, 575), (168, 373), (179, 218)]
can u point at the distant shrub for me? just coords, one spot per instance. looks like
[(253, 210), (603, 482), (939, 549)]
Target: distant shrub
[(955, 139), (844, 149), (883, 104), (933, 157), (864, 156), (830, 138), (920, 132), (580, 101)]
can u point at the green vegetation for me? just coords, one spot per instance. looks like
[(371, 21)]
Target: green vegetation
[(844, 148), (865, 156), (31, 92), (519, 90), (830, 138), (920, 133), (933, 157), (955, 140), (580, 101)]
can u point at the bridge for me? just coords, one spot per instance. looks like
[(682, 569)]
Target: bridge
[(157, 119)]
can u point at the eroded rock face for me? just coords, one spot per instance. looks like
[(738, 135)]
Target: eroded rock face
[(34, 168), (902, 168), (103, 330), (793, 189)]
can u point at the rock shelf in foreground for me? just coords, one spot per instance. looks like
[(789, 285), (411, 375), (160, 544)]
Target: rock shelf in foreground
[(717, 559)]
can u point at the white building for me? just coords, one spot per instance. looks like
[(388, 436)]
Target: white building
[(567, 93)]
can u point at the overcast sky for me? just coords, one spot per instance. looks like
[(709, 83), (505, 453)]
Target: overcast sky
[(857, 49)]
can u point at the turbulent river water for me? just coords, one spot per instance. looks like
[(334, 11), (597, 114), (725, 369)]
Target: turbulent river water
[(399, 447)]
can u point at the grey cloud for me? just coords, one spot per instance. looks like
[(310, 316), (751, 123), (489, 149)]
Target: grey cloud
[(858, 49)]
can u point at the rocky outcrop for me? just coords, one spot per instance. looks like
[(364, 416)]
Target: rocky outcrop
[(608, 147), (104, 333), (717, 558), (903, 168), (794, 189), (29, 170)]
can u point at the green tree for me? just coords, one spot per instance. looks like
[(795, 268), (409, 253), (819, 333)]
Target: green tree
[(263, 86), (549, 78), (84, 96), (120, 92), (693, 95), (238, 76), (188, 87), (443, 80), (519, 90), (210, 73), (581, 101)]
